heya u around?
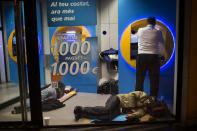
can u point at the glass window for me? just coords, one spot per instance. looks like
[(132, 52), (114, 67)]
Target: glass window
[(13, 82), (90, 60), (99, 61)]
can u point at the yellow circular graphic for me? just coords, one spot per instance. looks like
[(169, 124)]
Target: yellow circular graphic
[(80, 31), (12, 46), (126, 37)]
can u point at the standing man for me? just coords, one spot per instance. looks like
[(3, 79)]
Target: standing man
[(149, 40)]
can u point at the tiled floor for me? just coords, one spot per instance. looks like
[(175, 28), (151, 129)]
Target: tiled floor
[(62, 116), (8, 91)]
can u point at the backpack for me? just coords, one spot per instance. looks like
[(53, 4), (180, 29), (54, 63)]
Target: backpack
[(109, 87), (159, 109)]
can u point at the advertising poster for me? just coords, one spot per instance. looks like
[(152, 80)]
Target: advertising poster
[(74, 56)]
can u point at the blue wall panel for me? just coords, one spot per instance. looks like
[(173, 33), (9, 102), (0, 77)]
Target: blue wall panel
[(41, 52), (130, 11), (10, 27)]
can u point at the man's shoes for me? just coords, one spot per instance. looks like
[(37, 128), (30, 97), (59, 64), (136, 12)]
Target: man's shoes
[(78, 111), (77, 117)]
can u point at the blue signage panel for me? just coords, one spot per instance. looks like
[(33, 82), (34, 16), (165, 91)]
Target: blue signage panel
[(81, 61), (71, 12), (76, 63)]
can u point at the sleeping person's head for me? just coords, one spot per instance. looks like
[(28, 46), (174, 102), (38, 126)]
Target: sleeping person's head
[(60, 90), (149, 100)]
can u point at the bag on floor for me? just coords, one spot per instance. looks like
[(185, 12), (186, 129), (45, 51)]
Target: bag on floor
[(109, 87), (159, 109)]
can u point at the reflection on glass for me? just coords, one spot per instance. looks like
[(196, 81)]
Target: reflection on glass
[(11, 108)]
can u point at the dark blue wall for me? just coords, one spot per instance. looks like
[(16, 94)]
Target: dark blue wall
[(132, 10)]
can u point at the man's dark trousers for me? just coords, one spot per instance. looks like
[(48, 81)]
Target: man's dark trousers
[(107, 112), (148, 63)]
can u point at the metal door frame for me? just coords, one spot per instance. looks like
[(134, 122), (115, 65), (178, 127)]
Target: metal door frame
[(33, 59)]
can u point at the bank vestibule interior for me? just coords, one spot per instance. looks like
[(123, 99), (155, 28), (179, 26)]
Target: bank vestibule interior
[(114, 19)]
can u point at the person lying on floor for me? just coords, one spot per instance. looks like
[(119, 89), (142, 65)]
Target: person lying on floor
[(49, 98), (49, 93), (135, 102)]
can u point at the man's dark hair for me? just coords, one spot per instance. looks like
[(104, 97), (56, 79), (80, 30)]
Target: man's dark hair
[(133, 31), (158, 109), (60, 90), (150, 98), (151, 20)]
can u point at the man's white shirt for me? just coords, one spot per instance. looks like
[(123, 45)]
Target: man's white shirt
[(149, 40)]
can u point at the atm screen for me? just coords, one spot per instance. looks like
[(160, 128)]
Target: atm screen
[(14, 45), (133, 50)]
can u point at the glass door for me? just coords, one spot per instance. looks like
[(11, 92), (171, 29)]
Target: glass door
[(13, 87)]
